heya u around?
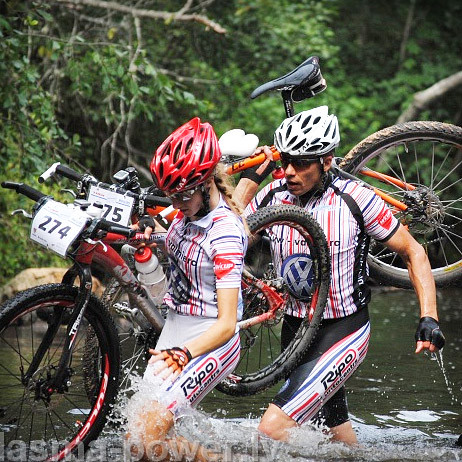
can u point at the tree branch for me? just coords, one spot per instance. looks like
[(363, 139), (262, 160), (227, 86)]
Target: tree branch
[(407, 29), (424, 98), (143, 13)]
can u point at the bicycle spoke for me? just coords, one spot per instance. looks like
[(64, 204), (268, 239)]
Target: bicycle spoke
[(450, 186)]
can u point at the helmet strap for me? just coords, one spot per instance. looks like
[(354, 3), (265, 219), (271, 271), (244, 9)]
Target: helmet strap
[(320, 188), (205, 209)]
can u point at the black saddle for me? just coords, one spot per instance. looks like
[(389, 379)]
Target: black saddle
[(304, 81)]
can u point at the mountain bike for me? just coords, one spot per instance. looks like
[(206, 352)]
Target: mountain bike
[(415, 167), (61, 346)]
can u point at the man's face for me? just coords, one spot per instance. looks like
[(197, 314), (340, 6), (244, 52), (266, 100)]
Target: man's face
[(303, 178)]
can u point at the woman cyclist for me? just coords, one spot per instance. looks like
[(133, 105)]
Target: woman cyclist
[(350, 215), (199, 344)]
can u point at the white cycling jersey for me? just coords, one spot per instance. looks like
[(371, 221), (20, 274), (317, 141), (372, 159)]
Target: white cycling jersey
[(204, 255), (347, 235)]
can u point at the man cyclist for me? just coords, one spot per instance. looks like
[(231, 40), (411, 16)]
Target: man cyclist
[(350, 215)]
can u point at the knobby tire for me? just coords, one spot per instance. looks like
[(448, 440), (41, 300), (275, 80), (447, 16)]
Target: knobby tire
[(428, 156)]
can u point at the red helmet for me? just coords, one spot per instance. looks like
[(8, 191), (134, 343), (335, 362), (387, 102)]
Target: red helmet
[(186, 158)]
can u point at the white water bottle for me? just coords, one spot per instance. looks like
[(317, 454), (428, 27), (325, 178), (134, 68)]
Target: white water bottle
[(150, 273)]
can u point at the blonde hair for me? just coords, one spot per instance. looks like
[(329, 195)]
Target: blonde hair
[(224, 184)]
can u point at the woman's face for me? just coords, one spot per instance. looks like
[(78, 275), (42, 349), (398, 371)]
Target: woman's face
[(188, 202)]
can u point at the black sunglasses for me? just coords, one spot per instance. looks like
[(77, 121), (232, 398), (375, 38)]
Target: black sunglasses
[(296, 162)]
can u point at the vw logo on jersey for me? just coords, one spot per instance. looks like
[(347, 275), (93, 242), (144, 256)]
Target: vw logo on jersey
[(298, 274)]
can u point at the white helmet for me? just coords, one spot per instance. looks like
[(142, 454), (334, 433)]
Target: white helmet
[(310, 133)]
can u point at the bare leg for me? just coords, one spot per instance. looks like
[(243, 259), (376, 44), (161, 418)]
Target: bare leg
[(148, 438), (344, 433), (275, 423)]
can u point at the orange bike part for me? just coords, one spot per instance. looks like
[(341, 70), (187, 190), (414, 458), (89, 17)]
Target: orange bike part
[(249, 162)]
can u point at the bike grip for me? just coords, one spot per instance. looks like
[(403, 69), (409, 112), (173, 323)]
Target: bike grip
[(153, 201), (116, 229), (48, 173), (24, 189), (68, 172), (251, 162)]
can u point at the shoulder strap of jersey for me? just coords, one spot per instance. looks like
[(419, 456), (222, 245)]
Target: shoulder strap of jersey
[(352, 205), (270, 194)]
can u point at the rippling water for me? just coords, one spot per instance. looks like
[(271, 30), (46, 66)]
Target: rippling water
[(404, 407)]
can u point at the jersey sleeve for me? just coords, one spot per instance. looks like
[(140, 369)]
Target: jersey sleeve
[(228, 243), (379, 221)]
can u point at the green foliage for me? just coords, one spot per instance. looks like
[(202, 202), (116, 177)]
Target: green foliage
[(100, 90)]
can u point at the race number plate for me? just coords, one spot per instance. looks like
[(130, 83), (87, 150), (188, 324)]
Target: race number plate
[(56, 225), (117, 207)]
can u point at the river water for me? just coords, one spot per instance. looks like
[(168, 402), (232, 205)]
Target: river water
[(404, 407)]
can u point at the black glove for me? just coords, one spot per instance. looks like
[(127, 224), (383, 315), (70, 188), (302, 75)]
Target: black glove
[(429, 330), (146, 221), (251, 173)]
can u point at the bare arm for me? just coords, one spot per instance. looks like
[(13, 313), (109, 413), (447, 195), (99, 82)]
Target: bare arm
[(416, 260)]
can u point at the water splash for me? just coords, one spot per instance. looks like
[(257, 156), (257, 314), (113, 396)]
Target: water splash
[(438, 357)]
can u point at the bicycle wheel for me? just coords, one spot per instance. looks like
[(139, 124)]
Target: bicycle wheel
[(427, 157), (263, 362), (50, 424)]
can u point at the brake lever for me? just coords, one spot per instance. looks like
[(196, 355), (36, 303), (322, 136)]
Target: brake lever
[(70, 191), (22, 211)]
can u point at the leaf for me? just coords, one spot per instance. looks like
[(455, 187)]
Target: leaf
[(111, 33)]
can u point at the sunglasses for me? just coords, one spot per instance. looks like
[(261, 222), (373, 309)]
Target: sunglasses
[(296, 162), (183, 196)]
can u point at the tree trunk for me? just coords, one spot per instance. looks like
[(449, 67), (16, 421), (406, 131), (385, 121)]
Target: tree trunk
[(424, 98)]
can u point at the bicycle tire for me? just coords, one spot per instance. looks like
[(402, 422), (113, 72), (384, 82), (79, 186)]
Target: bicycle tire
[(434, 214), (274, 367), (65, 422)]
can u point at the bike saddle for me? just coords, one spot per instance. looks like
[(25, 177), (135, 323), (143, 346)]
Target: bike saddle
[(305, 81)]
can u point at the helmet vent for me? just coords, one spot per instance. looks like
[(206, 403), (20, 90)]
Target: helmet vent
[(177, 152), (189, 146), (328, 129), (305, 123), (316, 120), (293, 140), (299, 145), (203, 154)]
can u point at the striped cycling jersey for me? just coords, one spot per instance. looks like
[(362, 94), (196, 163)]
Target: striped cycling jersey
[(349, 215), (204, 255)]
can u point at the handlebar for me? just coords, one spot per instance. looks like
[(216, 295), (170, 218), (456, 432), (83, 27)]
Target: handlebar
[(150, 200), (57, 168), (110, 227), (36, 195), (24, 189)]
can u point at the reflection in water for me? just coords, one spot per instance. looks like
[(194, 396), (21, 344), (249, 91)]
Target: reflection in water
[(404, 408)]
